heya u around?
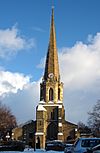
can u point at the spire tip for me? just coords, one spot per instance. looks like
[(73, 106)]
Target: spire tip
[(52, 4)]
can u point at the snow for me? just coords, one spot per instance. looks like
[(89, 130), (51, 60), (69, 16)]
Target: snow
[(53, 104), (60, 106), (60, 102), (59, 124), (42, 102), (32, 150), (39, 133), (41, 108), (50, 102), (60, 133)]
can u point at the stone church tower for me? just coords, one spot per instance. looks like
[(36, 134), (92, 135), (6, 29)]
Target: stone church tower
[(50, 113)]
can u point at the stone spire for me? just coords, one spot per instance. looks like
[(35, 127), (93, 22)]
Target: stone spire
[(52, 66)]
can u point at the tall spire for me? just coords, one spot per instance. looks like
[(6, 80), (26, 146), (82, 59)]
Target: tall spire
[(52, 66)]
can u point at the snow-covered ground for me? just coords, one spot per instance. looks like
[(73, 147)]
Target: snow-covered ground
[(31, 151)]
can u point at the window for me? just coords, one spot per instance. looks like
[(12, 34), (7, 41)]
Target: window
[(51, 115), (40, 122), (50, 94), (58, 93), (90, 142), (41, 94)]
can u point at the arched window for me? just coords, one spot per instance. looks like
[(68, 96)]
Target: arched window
[(51, 115), (58, 93), (41, 94), (50, 94)]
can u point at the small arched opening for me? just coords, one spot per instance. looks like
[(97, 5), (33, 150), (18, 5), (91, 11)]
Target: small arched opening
[(51, 94), (58, 93), (38, 143)]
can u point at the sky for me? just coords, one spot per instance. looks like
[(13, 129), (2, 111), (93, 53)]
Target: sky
[(24, 37)]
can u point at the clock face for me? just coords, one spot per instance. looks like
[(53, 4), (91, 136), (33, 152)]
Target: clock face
[(51, 75)]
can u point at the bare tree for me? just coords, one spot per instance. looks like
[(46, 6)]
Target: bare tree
[(83, 129), (94, 119), (7, 119)]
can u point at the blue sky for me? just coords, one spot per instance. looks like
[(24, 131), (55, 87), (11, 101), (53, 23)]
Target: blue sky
[(24, 36)]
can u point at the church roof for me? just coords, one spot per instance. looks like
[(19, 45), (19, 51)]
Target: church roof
[(52, 66), (70, 123)]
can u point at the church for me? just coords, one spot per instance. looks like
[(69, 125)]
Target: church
[(50, 112)]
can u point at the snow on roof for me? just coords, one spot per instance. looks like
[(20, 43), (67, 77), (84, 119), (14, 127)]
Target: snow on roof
[(60, 106), (60, 133), (50, 102), (39, 133), (60, 124), (59, 118), (53, 104), (59, 101), (41, 108), (28, 122), (41, 102)]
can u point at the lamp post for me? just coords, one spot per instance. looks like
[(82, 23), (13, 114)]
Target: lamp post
[(76, 130), (7, 136)]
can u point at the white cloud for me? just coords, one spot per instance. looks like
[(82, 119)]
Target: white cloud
[(82, 62), (12, 82), (12, 42)]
